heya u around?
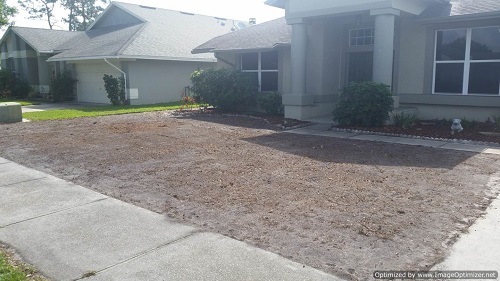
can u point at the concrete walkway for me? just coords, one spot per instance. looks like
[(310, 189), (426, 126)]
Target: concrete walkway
[(323, 130), (67, 232)]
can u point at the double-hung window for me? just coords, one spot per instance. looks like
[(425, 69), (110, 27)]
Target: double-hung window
[(265, 67), (362, 36), (467, 61)]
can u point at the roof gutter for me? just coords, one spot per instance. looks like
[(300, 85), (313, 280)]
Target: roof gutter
[(134, 58), (127, 95), (489, 15)]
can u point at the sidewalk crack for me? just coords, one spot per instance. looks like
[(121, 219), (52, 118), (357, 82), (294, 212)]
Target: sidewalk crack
[(31, 180), (139, 255), (54, 212)]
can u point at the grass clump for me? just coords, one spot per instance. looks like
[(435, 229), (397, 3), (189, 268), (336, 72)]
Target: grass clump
[(14, 270), (96, 111), (404, 120)]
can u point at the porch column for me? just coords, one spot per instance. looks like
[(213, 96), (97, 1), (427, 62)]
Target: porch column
[(299, 58), (383, 51), (297, 103)]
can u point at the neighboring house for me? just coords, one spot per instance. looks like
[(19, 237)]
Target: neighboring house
[(25, 51), (150, 47), (441, 57)]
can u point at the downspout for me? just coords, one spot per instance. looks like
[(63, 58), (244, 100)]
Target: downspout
[(127, 96)]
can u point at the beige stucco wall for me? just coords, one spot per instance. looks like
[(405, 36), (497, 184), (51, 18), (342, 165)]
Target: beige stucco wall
[(416, 75), (228, 60), (284, 70), (412, 58), (431, 112), (161, 81)]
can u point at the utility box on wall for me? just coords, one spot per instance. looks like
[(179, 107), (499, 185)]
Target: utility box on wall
[(133, 94)]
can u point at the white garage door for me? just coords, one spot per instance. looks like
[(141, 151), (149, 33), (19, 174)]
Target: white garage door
[(90, 85)]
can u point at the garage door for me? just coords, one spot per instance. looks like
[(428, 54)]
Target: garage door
[(90, 85)]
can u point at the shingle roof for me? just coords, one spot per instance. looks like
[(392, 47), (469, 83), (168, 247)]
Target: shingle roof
[(167, 34), (461, 8), (45, 40), (268, 35), (101, 42), (262, 36), (174, 34)]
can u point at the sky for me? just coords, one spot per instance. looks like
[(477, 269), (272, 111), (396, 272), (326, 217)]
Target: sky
[(231, 9)]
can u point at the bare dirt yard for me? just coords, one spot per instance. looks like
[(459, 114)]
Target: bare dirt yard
[(345, 207)]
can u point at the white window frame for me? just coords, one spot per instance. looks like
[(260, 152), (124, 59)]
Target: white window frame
[(361, 28), (259, 71), (466, 63)]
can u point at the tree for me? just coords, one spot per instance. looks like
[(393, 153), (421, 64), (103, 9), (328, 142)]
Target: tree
[(39, 9), (6, 12), (82, 13)]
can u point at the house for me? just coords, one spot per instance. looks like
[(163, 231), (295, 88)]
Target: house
[(440, 57), (150, 47), (25, 51)]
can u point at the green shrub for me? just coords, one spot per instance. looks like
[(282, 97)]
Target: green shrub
[(404, 120), (364, 104), (62, 86), (6, 82), (225, 89), (496, 119), (22, 89), (11, 87), (467, 124), (115, 87), (271, 103)]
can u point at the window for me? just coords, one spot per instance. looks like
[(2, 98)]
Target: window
[(265, 67), (362, 37), (467, 61)]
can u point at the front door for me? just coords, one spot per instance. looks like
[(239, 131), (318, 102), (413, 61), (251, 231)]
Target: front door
[(360, 67)]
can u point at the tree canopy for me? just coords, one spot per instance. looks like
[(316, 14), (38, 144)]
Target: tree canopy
[(40, 9), (80, 14), (6, 12)]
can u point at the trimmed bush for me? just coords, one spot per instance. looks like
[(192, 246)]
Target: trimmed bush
[(271, 103), (225, 89), (11, 87), (62, 86), (115, 87), (364, 104)]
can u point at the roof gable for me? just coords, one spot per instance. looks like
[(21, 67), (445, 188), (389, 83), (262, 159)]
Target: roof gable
[(266, 35), (160, 34), (42, 40), (115, 15)]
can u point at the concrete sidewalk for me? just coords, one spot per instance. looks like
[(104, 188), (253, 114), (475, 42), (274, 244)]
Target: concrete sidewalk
[(67, 231), (323, 130)]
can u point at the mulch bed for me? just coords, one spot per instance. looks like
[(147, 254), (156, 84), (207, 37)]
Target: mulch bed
[(347, 207), (439, 129)]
